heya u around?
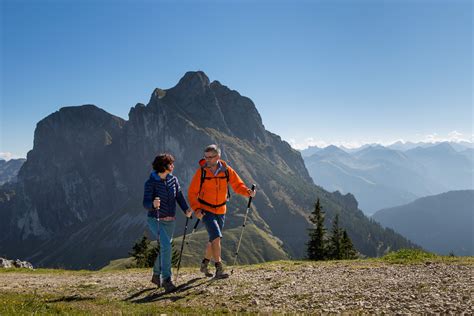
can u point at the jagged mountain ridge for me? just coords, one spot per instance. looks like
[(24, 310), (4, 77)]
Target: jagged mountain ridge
[(78, 200)]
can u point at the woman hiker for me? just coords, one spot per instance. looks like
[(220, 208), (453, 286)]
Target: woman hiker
[(162, 191)]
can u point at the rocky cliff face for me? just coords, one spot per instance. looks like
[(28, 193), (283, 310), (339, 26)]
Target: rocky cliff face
[(77, 202)]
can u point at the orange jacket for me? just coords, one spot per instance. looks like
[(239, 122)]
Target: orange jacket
[(214, 190)]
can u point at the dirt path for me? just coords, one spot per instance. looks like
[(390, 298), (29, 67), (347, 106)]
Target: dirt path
[(366, 286)]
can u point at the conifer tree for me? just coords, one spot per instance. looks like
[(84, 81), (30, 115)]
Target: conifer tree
[(316, 246), (145, 254), (139, 252), (335, 249), (348, 250), (152, 254)]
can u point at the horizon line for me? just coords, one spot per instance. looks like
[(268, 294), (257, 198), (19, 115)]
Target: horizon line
[(8, 155)]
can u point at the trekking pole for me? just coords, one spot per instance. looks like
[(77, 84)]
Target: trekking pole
[(192, 232), (242, 231), (181, 251)]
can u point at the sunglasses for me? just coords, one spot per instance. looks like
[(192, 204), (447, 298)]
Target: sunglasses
[(210, 157)]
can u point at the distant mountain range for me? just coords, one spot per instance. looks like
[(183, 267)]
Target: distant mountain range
[(402, 146), (381, 177), (441, 223), (9, 169), (77, 201)]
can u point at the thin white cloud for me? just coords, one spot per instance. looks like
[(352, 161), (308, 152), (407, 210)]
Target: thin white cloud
[(8, 155), (310, 141), (453, 136), (322, 144)]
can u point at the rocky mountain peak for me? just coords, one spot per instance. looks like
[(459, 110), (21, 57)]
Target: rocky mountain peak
[(192, 84), (77, 127), (210, 105), (193, 79), (348, 200)]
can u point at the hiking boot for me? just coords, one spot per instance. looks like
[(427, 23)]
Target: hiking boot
[(155, 279), (220, 274), (204, 268), (168, 285)]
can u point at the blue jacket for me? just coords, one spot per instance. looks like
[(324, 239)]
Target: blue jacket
[(169, 192)]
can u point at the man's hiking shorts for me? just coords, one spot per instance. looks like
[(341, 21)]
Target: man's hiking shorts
[(214, 224)]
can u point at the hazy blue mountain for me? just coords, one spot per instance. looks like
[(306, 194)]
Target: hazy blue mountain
[(9, 169), (469, 153), (441, 223), (403, 146), (356, 149), (309, 151), (461, 146), (458, 146), (338, 176), (445, 165), (381, 177)]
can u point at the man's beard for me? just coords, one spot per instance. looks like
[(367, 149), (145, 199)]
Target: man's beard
[(210, 164)]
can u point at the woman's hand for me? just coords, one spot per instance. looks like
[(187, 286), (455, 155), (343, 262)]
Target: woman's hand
[(156, 203), (189, 213)]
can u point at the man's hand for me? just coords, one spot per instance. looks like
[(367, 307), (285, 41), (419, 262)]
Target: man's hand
[(156, 203), (189, 213), (199, 214), (251, 193)]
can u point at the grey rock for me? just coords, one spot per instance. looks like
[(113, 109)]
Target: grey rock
[(5, 263)]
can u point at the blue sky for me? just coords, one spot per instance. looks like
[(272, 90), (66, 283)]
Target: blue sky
[(319, 72)]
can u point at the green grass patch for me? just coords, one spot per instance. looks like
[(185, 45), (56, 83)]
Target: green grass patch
[(409, 256), (45, 271), (27, 304), (120, 264), (413, 256)]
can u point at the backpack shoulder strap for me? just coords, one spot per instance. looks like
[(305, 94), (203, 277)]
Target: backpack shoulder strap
[(227, 178), (203, 177)]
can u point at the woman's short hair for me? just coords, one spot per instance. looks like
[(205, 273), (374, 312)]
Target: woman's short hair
[(213, 148), (162, 162)]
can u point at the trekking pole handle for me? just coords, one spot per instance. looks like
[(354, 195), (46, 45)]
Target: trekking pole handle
[(250, 198)]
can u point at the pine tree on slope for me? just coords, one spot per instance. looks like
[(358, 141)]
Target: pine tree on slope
[(347, 248), (335, 249), (316, 246)]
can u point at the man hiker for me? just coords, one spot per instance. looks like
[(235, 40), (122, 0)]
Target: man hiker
[(208, 194), (162, 192)]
